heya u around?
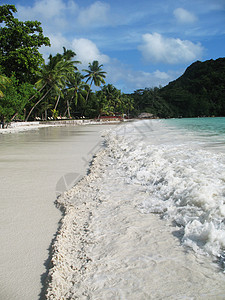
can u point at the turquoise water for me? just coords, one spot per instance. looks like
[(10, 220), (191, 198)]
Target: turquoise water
[(210, 131), (214, 126)]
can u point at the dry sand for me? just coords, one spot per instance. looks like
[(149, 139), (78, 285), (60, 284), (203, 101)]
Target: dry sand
[(31, 164)]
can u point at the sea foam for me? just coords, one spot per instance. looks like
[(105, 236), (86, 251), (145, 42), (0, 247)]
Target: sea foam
[(182, 182)]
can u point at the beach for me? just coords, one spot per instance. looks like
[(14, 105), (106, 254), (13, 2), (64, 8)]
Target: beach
[(144, 222), (36, 165)]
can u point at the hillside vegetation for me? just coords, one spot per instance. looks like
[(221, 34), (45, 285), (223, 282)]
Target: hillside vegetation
[(200, 91)]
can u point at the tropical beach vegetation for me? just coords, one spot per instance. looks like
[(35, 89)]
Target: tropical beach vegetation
[(32, 88)]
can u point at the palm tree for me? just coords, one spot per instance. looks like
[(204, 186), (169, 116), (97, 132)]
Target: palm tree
[(3, 81), (76, 90), (54, 76), (113, 96), (95, 75), (66, 56), (77, 87)]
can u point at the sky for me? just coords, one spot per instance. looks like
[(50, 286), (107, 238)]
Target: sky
[(141, 44)]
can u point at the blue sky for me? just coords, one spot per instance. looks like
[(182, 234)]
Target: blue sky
[(140, 43)]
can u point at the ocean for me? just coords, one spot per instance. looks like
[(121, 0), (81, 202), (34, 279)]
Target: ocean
[(181, 164), (148, 220)]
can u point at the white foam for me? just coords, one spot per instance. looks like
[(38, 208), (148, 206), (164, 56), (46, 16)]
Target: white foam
[(181, 181)]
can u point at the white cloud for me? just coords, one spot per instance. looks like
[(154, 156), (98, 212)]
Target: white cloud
[(87, 51), (184, 16), (95, 15), (140, 79), (72, 6), (46, 9), (58, 41), (161, 75), (54, 15), (66, 15), (156, 48), (128, 80)]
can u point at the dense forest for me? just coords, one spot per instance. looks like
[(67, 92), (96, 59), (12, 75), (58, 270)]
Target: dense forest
[(34, 89), (200, 91)]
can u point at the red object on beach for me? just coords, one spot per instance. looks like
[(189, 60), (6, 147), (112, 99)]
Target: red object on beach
[(110, 117)]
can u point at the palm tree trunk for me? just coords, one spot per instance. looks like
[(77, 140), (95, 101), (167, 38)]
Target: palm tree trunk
[(37, 104), (57, 102), (67, 109), (86, 100), (88, 91), (37, 92), (68, 105), (46, 114), (13, 117)]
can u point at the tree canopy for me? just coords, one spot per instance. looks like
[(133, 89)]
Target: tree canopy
[(200, 91), (19, 44)]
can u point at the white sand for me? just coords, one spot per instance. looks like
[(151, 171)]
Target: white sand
[(23, 126), (16, 127), (31, 164)]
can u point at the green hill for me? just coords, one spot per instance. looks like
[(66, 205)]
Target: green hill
[(200, 91)]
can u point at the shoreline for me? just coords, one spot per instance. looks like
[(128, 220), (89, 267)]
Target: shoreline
[(16, 127)]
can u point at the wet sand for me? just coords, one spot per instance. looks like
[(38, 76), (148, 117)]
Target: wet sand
[(31, 164)]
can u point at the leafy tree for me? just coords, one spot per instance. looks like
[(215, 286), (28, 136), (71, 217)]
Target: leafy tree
[(19, 44), (53, 77), (55, 114), (128, 104), (113, 102), (93, 106), (149, 100), (66, 56), (76, 92), (94, 75), (76, 86), (3, 81), (15, 98), (113, 97)]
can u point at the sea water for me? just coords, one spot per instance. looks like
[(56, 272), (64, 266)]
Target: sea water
[(181, 165), (148, 221)]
